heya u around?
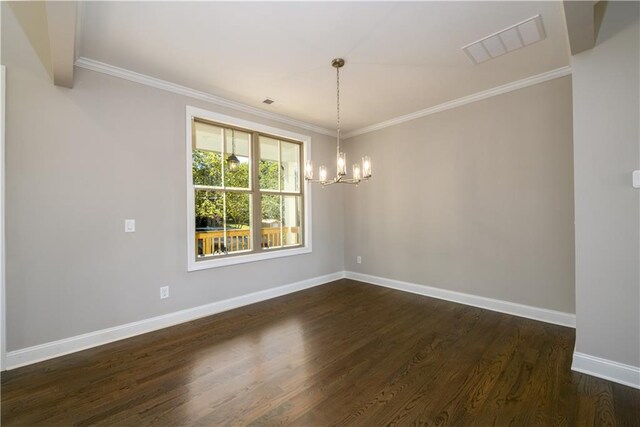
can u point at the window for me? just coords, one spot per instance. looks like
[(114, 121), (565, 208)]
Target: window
[(256, 209), (280, 195)]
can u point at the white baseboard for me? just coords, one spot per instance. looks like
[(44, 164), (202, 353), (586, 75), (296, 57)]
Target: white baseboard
[(536, 313), (38, 353), (606, 369), (584, 363)]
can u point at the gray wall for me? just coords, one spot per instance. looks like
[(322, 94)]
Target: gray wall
[(80, 161), (478, 199), (607, 149)]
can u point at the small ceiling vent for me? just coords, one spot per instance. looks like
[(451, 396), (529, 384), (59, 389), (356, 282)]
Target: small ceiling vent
[(514, 37), (268, 101)]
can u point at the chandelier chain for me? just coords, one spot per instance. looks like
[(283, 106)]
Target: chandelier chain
[(338, 105)]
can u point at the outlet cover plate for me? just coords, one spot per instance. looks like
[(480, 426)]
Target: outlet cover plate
[(129, 225)]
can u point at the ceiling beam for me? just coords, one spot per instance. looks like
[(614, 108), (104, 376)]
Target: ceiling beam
[(32, 17), (581, 24), (62, 23)]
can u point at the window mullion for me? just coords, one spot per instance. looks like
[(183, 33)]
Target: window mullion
[(256, 231), (223, 246), (280, 192), (279, 166), (301, 234), (281, 221), (283, 193), (223, 149)]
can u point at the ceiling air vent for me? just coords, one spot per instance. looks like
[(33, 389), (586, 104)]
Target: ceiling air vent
[(514, 37)]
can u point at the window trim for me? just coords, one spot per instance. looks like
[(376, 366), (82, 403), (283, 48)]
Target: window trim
[(192, 264)]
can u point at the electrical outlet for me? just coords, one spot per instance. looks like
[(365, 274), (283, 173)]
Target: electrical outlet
[(129, 225), (164, 292), (359, 259)]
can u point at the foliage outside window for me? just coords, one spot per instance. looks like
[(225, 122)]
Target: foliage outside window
[(255, 208)]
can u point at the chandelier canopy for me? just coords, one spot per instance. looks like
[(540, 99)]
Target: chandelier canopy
[(360, 172)]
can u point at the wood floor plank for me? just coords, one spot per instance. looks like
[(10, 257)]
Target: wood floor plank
[(345, 353)]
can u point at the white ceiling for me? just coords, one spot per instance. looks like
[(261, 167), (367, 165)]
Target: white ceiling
[(400, 57)]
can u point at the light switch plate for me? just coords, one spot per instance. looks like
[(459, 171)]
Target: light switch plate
[(636, 179), (129, 225)]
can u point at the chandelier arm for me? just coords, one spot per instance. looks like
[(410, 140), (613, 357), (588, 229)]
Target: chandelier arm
[(338, 180), (353, 181), (318, 181)]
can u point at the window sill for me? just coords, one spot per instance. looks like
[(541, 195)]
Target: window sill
[(242, 259)]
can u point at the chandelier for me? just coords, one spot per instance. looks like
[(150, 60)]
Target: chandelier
[(360, 172)]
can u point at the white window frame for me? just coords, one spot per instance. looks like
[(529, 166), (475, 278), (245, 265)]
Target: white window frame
[(192, 263)]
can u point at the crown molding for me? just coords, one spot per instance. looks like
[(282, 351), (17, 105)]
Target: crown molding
[(101, 67), (133, 76), (518, 84)]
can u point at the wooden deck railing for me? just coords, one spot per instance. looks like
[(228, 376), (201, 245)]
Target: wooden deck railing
[(212, 242)]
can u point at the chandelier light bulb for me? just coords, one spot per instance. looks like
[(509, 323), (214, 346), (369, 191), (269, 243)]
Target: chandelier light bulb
[(342, 164), (323, 173), (308, 170), (366, 166), (356, 171)]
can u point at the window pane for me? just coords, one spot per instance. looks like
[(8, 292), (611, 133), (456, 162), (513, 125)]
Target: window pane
[(207, 155), (269, 173), (290, 170), (208, 137), (292, 220), (238, 143), (238, 222), (223, 222), (209, 223), (271, 220)]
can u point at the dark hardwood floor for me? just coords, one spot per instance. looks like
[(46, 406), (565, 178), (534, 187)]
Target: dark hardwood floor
[(340, 354)]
